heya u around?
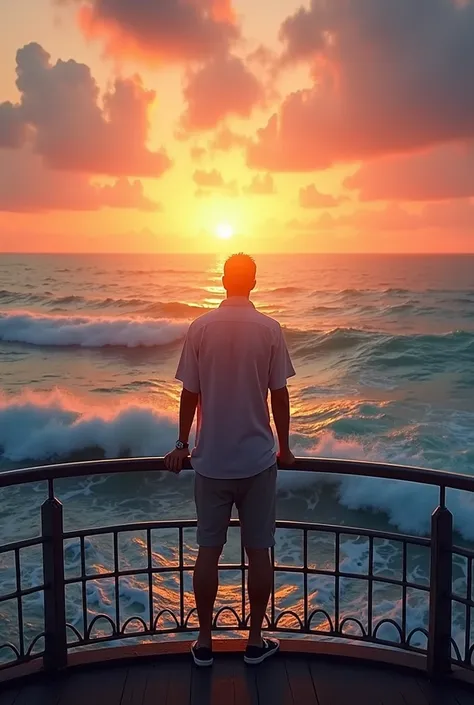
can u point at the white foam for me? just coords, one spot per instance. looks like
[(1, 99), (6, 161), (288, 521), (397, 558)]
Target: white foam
[(88, 331), (35, 426)]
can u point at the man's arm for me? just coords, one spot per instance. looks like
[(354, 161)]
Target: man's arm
[(280, 400), (187, 409)]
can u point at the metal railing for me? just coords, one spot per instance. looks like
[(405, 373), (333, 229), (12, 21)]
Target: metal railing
[(170, 611)]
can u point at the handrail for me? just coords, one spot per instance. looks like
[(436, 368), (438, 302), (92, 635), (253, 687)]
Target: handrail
[(439, 478), (440, 643)]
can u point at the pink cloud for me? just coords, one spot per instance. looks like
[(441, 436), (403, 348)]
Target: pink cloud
[(221, 87), (310, 197), (69, 128), (261, 185), (441, 173), (27, 186), (225, 139), (379, 84), (160, 30)]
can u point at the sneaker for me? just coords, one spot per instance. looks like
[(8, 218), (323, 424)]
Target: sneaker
[(202, 655), (257, 654)]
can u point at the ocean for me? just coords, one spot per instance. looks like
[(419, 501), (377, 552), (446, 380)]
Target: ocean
[(384, 352)]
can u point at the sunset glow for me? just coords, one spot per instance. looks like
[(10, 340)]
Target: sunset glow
[(140, 130), (224, 231)]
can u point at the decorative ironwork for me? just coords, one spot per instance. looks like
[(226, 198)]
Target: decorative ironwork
[(177, 616)]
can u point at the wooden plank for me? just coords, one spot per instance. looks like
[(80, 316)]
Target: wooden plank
[(157, 681), (301, 682), (46, 693), (135, 685), (179, 685), (383, 682), (8, 695), (272, 682), (341, 684), (201, 685), (245, 682), (438, 693), (463, 696), (222, 685), (94, 687)]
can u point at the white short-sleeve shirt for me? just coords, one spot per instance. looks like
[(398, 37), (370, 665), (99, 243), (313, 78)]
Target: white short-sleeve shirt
[(232, 356)]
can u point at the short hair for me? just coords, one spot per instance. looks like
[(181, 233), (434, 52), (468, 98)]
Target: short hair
[(240, 270)]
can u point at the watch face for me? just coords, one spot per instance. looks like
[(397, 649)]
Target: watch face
[(180, 445)]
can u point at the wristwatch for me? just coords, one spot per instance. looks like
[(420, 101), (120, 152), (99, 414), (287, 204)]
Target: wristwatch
[(181, 446)]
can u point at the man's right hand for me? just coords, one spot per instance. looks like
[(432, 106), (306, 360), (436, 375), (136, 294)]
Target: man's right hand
[(286, 459), (174, 461)]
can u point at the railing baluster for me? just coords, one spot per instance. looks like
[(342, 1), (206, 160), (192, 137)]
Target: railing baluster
[(404, 591), (85, 625), (370, 587), (150, 576), (21, 636), (181, 577), (272, 596), (55, 652), (305, 579), (116, 583), (337, 581), (439, 642), (242, 561), (467, 636)]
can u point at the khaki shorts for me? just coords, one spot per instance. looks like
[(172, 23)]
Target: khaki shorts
[(255, 499)]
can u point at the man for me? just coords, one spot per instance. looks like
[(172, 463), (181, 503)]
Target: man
[(231, 357)]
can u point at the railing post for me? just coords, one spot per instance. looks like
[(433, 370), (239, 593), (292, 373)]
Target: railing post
[(55, 653), (439, 642)]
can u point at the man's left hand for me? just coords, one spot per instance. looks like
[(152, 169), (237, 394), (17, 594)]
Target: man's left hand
[(174, 461)]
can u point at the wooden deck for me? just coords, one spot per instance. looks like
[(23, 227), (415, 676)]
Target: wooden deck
[(286, 679)]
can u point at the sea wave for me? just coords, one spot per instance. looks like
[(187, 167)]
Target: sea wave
[(88, 331), (36, 427)]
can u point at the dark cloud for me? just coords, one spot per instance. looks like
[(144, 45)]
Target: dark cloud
[(160, 30), (442, 173), (221, 87), (13, 130), (27, 186), (70, 130), (310, 197), (260, 185), (389, 76)]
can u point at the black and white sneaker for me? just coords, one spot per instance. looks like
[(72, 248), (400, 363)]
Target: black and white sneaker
[(256, 654), (202, 655)]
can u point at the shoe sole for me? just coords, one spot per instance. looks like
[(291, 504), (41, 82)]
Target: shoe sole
[(262, 658), (199, 662)]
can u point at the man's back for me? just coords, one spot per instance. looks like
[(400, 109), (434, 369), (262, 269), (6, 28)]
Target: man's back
[(231, 357)]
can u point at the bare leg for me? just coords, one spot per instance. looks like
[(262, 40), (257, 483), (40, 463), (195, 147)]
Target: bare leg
[(206, 582), (260, 582)]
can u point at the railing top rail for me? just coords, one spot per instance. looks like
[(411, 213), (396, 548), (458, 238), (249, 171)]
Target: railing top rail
[(331, 466)]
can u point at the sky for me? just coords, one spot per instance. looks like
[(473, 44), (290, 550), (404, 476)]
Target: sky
[(264, 126)]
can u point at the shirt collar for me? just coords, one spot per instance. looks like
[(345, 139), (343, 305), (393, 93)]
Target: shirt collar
[(237, 301)]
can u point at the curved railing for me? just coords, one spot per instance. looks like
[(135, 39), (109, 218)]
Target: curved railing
[(168, 607)]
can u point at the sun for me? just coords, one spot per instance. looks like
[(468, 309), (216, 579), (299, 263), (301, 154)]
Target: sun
[(224, 231)]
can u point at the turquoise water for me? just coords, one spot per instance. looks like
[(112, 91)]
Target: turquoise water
[(384, 352)]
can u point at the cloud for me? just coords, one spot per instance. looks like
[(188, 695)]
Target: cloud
[(260, 185), (310, 197), (221, 87), (160, 30), (442, 173), (212, 181), (70, 130), (389, 76), (457, 215), (225, 139), (197, 153), (26, 186), (13, 131)]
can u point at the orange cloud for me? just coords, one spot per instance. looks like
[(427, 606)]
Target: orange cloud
[(211, 181), (442, 173), (379, 85), (159, 31), (310, 197), (221, 87), (260, 186), (70, 130), (26, 186), (225, 139)]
